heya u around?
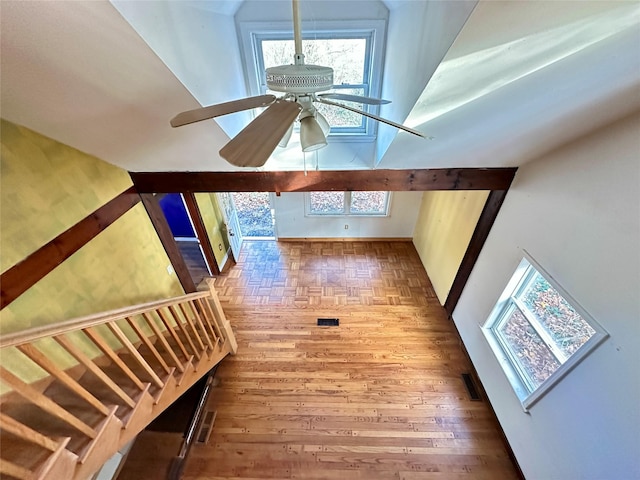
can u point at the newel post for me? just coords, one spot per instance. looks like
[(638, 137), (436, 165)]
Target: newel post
[(207, 284)]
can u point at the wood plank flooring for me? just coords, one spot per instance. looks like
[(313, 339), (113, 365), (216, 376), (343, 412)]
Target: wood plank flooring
[(378, 397)]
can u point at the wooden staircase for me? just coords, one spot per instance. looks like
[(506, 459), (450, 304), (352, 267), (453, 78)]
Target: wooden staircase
[(103, 378)]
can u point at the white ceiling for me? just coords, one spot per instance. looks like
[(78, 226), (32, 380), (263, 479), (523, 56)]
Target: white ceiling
[(495, 83)]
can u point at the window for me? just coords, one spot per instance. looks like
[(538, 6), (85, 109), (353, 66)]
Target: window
[(354, 51), (538, 332), (347, 203)]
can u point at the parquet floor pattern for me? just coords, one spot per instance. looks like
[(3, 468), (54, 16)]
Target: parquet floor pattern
[(379, 397), (327, 273)]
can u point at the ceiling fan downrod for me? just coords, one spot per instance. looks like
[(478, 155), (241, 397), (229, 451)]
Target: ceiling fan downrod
[(299, 78), (298, 56)]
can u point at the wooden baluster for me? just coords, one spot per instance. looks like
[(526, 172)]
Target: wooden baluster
[(178, 320), (40, 359), (223, 325), (18, 429), (126, 343), (149, 345), (172, 332), (151, 322), (213, 315), (193, 327), (15, 471), (205, 318), (196, 314), (93, 368), (34, 396), (108, 351)]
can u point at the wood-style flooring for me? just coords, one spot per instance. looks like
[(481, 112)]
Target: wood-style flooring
[(378, 397)]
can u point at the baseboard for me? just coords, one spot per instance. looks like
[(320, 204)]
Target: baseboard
[(483, 395), (345, 239), (225, 264)]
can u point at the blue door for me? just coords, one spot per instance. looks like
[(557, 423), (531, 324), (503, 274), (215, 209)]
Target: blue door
[(177, 215)]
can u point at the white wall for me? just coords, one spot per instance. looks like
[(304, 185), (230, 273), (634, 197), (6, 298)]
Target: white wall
[(199, 46), (291, 221), (577, 212), (422, 32)]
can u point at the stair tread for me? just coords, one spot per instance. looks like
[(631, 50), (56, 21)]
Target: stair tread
[(51, 426), (21, 452)]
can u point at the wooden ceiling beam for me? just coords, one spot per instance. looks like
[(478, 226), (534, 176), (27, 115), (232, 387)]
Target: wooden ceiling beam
[(324, 180)]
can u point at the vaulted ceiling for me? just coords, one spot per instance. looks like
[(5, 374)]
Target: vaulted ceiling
[(494, 83)]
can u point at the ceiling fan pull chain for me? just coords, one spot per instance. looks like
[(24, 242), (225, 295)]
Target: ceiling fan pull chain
[(304, 162)]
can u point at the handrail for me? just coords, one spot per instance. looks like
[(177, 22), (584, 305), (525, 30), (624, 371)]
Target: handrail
[(151, 353), (36, 333)]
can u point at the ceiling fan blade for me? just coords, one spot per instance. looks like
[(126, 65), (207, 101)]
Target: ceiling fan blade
[(253, 146), (205, 113), (375, 117), (354, 98)]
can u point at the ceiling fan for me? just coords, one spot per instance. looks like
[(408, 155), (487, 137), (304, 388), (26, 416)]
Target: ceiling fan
[(301, 84)]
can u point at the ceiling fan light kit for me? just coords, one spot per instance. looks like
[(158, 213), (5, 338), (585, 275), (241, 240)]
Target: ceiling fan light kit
[(300, 83), (311, 135)]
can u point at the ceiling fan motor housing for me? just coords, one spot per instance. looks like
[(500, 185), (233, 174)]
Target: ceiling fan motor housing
[(299, 78)]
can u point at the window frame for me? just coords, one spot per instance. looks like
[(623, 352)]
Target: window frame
[(527, 393), (374, 31), (346, 207)]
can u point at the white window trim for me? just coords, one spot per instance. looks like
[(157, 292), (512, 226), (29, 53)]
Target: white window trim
[(347, 205), (525, 392), (248, 32)]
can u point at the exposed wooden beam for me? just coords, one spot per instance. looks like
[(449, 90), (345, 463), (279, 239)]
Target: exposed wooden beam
[(161, 225), (201, 231), (480, 234), (22, 276), (297, 181)]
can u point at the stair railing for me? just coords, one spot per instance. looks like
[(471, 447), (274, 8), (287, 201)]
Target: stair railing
[(101, 379)]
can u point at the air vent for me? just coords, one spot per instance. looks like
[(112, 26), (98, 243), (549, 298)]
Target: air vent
[(471, 387), (328, 322)]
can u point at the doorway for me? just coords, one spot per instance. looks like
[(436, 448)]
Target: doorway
[(255, 214), (192, 247)]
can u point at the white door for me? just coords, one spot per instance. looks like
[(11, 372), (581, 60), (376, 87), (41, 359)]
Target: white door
[(232, 225)]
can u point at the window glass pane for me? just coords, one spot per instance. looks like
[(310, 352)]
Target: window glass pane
[(341, 117), (527, 347), (277, 52), (345, 55), (326, 202), (368, 202), (347, 58), (568, 330)]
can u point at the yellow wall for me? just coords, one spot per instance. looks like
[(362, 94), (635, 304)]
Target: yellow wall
[(212, 217), (445, 224), (47, 187)]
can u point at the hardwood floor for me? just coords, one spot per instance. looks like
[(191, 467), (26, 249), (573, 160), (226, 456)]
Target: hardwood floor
[(378, 397)]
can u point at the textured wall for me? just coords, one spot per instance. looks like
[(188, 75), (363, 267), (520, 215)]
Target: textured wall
[(445, 224), (46, 188)]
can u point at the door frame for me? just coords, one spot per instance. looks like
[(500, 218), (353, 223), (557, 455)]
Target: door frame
[(201, 231)]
